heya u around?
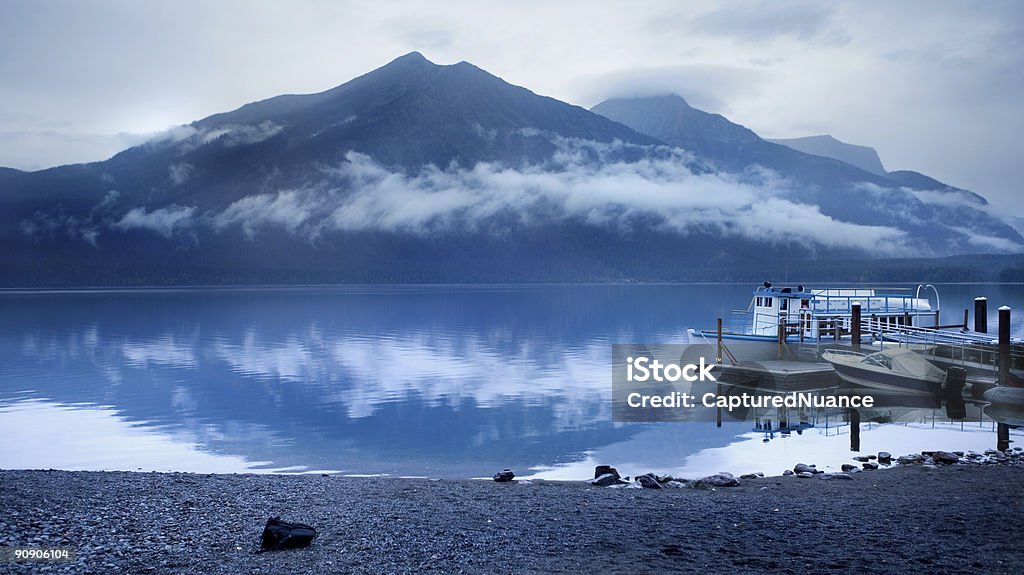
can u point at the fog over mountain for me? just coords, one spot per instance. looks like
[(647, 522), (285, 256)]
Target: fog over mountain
[(421, 172)]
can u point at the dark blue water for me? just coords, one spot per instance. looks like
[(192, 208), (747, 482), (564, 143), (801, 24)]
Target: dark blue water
[(440, 381)]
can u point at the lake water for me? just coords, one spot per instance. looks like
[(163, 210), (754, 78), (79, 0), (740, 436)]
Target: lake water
[(436, 381)]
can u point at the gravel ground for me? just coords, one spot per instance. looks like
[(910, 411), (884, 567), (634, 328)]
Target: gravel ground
[(955, 519)]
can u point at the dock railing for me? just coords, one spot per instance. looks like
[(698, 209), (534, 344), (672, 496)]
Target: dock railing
[(967, 349)]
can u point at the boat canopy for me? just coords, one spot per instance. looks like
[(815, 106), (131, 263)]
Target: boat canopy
[(904, 361)]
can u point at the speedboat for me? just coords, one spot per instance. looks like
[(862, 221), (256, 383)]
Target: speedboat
[(895, 370), (1006, 395)]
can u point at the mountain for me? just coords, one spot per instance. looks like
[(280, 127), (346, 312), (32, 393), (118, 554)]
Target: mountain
[(418, 172), (730, 146), (405, 114), (947, 218), (862, 157)]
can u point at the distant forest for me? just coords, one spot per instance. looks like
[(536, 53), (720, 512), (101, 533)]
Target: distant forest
[(191, 269)]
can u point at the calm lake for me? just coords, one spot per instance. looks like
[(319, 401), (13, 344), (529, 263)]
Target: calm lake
[(435, 381)]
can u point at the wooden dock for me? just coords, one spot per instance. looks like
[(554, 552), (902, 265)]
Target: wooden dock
[(780, 376)]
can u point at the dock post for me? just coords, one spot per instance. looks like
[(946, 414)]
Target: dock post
[(936, 319), (981, 315), (782, 338), (854, 430), (1002, 436), (965, 319), (855, 325), (1004, 344), (718, 409), (718, 358)]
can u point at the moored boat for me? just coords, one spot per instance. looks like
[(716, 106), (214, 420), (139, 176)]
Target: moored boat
[(892, 370), (823, 314), (1006, 395)]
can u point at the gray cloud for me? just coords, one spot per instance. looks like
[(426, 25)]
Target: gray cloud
[(180, 173), (189, 138), (59, 223), (760, 21), (37, 150), (705, 87), (233, 135), (291, 210), (164, 221)]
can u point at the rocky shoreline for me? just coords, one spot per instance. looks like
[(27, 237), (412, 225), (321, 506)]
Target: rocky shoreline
[(960, 517), (608, 476)]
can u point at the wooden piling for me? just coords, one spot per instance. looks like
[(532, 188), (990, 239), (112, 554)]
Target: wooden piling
[(1002, 436), (718, 410), (855, 325), (854, 430), (1004, 344), (980, 315), (718, 357)]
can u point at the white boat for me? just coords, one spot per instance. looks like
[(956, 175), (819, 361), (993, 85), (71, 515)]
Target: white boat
[(1006, 396), (894, 370), (823, 315)]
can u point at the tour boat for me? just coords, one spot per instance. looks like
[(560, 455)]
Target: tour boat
[(822, 315)]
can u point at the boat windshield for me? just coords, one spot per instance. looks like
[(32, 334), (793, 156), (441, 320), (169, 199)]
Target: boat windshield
[(878, 360)]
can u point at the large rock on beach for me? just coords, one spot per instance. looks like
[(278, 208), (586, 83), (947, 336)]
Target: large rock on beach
[(804, 468), (504, 476), (945, 458), (848, 467), (870, 465), (604, 470), (910, 459), (649, 481), (605, 480), (722, 479), (884, 457)]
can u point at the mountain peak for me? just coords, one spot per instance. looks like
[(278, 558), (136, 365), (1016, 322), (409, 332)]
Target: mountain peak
[(411, 61), (672, 120), (826, 145), (412, 57), (666, 100)]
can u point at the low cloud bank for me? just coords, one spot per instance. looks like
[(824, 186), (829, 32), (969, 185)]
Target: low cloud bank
[(612, 186), (666, 193)]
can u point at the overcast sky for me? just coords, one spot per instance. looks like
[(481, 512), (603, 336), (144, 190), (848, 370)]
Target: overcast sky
[(936, 87)]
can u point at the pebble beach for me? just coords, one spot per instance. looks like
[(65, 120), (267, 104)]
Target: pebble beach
[(957, 518)]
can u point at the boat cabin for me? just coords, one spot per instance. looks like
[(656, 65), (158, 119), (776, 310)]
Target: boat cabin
[(826, 313)]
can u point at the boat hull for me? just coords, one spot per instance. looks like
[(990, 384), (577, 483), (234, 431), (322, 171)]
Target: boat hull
[(886, 381), (1006, 396)]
